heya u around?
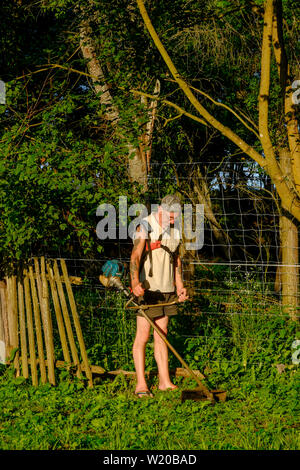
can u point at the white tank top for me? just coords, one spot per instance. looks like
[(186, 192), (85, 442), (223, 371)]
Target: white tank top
[(163, 279)]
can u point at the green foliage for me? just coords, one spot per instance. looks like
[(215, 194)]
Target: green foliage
[(60, 158), (259, 414), (237, 353)]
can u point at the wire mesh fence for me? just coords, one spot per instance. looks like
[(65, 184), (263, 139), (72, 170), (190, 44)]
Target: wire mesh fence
[(235, 313)]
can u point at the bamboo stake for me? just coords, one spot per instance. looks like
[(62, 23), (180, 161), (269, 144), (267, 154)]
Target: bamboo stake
[(38, 326), (64, 365), (24, 351), (3, 344), (47, 323), (178, 372), (3, 299), (13, 319), (36, 275), (46, 319), (73, 279), (77, 323), (58, 314), (1, 323), (33, 364), (66, 318)]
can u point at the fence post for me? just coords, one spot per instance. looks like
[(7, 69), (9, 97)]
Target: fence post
[(5, 344), (12, 314), (76, 322)]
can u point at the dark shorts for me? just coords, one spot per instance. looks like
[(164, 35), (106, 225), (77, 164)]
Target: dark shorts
[(156, 298)]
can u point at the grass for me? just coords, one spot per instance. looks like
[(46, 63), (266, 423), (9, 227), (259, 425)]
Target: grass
[(259, 414), (238, 353)]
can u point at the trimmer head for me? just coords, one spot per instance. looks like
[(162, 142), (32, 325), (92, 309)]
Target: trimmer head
[(114, 281), (199, 395)]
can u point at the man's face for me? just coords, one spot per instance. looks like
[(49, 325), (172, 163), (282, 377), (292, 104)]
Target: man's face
[(168, 218)]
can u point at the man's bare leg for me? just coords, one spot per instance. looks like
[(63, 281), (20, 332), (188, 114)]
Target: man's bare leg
[(161, 355), (138, 351)]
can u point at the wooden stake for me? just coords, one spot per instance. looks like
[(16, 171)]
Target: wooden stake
[(33, 365), (1, 323), (12, 313), (24, 351), (2, 331), (46, 318), (66, 318), (3, 343), (38, 326), (76, 322), (3, 300), (58, 314)]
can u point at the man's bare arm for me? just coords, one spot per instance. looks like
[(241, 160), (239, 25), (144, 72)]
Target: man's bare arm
[(178, 271), (135, 259), (181, 290)]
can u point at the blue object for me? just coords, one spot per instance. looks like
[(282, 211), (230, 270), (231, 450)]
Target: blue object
[(113, 268)]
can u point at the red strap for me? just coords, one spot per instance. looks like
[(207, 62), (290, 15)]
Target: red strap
[(154, 245)]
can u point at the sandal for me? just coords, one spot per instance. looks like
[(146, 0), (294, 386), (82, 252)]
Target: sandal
[(143, 394), (168, 389)]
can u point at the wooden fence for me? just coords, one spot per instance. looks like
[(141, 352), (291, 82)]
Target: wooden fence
[(26, 322), (29, 304)]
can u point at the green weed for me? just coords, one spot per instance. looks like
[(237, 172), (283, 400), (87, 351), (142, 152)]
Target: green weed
[(237, 353)]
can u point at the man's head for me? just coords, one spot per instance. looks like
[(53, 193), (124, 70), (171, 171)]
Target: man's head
[(169, 209)]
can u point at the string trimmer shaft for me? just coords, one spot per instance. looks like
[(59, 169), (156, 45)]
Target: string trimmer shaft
[(202, 393)]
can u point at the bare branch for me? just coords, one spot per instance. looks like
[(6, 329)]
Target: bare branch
[(192, 98), (290, 199), (264, 91)]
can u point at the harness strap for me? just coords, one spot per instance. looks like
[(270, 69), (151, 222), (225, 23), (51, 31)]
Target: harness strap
[(154, 245), (150, 246), (149, 252)]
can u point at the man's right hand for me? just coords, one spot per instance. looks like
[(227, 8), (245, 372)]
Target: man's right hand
[(137, 288)]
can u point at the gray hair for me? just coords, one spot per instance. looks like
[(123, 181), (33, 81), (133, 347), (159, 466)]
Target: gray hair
[(171, 202)]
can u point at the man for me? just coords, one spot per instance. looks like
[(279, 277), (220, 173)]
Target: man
[(155, 259)]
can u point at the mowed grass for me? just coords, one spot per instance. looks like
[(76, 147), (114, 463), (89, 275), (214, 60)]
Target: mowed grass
[(259, 414), (249, 354)]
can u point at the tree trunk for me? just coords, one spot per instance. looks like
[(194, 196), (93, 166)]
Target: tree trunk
[(203, 195), (137, 165), (289, 270)]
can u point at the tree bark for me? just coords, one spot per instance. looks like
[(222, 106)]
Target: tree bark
[(289, 269), (138, 162), (220, 235)]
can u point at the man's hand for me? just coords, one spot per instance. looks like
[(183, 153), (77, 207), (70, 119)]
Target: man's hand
[(182, 294), (137, 288)]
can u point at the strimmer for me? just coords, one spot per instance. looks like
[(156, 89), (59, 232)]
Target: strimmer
[(200, 393)]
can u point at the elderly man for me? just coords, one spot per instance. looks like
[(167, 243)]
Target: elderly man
[(155, 259)]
